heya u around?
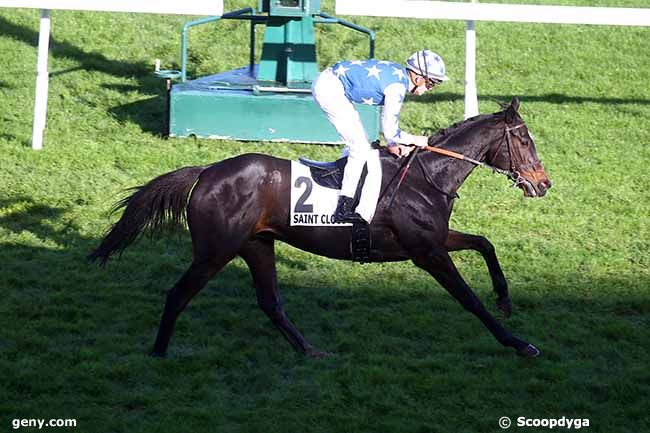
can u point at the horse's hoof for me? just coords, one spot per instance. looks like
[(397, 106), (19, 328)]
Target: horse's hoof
[(529, 351), (505, 306), (317, 354), (158, 355)]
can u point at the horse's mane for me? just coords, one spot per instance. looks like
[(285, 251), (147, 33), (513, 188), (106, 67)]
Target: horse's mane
[(459, 127)]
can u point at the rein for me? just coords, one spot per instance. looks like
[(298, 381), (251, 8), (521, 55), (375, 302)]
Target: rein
[(513, 174)]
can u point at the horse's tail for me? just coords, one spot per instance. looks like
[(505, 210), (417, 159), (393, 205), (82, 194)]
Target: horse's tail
[(159, 204)]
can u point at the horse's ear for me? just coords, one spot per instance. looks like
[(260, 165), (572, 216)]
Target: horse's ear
[(515, 103), (511, 111)]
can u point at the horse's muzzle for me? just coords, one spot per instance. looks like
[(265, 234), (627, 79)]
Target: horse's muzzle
[(535, 182), (543, 186)]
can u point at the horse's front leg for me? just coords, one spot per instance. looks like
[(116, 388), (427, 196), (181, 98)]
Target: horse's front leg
[(457, 241), (442, 268)]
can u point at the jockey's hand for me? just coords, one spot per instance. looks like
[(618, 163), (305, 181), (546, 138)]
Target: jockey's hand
[(421, 140), (399, 150)]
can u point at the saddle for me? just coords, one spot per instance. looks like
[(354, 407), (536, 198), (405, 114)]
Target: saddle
[(330, 175)]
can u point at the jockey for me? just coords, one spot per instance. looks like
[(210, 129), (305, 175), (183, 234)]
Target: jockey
[(372, 82)]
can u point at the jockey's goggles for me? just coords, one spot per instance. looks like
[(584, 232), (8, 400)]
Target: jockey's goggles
[(431, 83)]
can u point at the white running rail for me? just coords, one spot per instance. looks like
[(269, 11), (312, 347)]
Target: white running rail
[(472, 12), (185, 7)]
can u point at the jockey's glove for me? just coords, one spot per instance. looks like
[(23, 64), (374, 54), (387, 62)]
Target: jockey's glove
[(420, 140)]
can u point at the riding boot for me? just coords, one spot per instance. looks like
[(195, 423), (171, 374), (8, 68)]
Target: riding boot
[(344, 212)]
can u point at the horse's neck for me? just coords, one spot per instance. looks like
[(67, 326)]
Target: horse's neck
[(447, 173)]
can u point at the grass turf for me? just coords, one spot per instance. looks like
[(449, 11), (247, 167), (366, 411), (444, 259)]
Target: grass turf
[(406, 356)]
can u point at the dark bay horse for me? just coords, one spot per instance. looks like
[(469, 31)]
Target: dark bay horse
[(240, 206)]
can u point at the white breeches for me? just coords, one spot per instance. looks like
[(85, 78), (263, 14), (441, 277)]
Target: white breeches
[(329, 94)]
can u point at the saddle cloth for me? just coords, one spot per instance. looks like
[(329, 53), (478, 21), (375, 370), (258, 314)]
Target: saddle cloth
[(313, 204)]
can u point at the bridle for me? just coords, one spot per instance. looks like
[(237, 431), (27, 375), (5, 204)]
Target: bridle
[(515, 171), (513, 174)]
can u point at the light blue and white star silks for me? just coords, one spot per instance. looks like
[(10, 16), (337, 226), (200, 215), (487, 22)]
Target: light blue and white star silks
[(377, 82)]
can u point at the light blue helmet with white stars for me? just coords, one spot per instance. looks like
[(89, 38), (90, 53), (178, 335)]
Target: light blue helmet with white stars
[(428, 64)]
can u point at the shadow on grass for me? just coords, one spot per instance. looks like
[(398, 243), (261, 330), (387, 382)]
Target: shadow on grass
[(87, 60), (22, 212), (74, 337), (53, 260), (142, 113), (552, 98), (147, 113)]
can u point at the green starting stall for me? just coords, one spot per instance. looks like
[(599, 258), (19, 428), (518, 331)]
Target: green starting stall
[(266, 101)]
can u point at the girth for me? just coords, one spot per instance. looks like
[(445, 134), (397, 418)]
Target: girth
[(330, 175)]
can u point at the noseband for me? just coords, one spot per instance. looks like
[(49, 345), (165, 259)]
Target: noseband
[(515, 172)]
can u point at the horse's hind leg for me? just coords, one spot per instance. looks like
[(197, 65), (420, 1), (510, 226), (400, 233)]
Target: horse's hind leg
[(457, 241), (194, 279), (259, 255), (442, 268)]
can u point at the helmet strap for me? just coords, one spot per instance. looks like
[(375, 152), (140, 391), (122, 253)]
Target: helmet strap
[(412, 80), (426, 66)]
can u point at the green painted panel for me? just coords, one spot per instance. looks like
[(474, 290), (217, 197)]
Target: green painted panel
[(242, 115), (289, 52), (272, 62)]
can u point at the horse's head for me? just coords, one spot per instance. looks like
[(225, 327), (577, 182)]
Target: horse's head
[(516, 153)]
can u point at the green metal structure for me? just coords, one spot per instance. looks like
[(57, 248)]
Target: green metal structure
[(266, 101)]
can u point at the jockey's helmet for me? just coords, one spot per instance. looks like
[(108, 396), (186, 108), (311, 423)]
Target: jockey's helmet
[(427, 64)]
